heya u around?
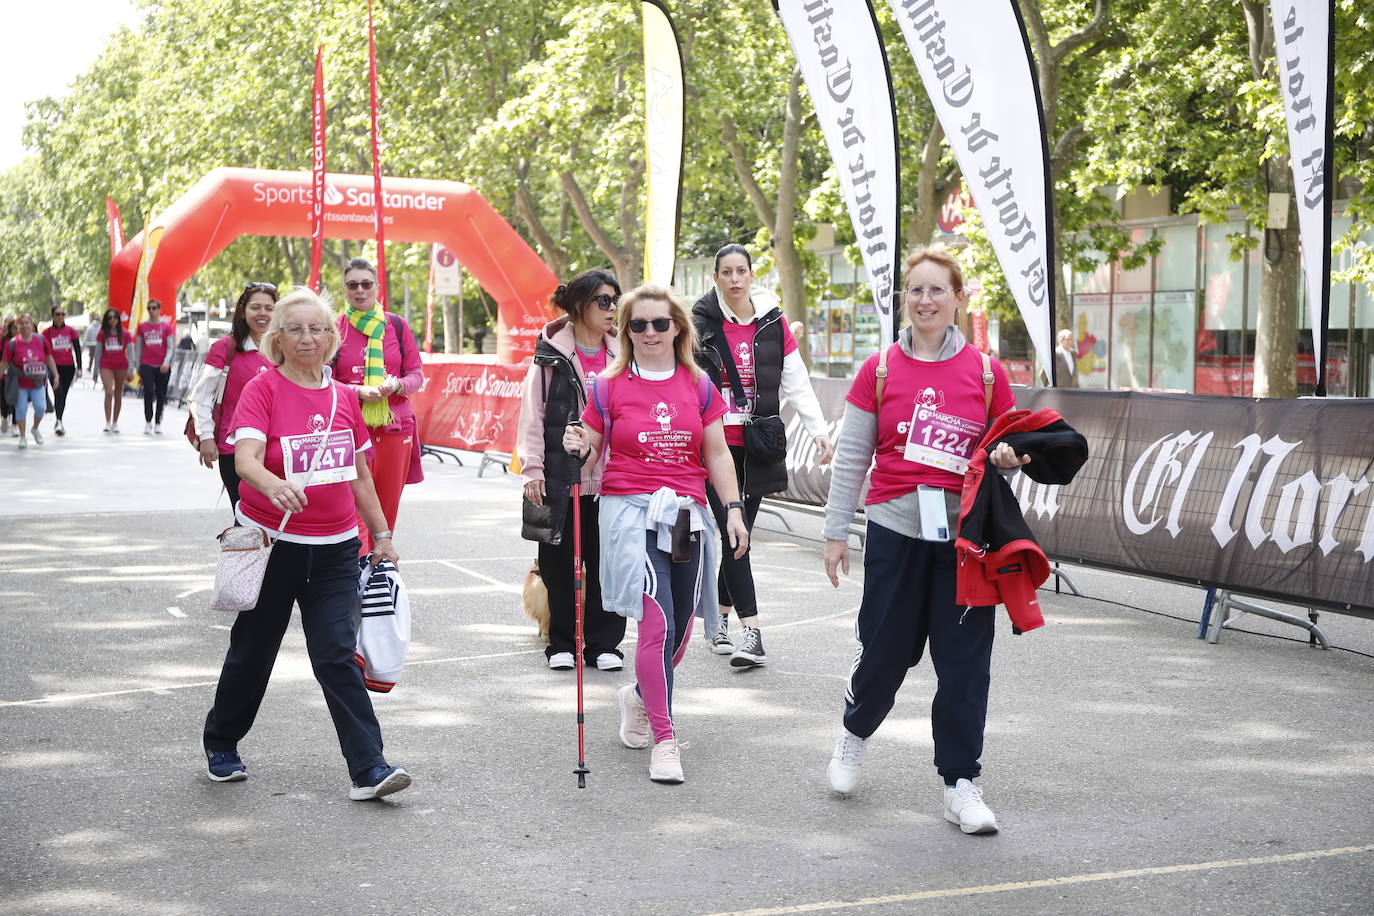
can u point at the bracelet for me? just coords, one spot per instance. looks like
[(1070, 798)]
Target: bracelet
[(384, 534), (735, 505)]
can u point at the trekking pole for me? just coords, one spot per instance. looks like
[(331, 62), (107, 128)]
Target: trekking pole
[(579, 604)]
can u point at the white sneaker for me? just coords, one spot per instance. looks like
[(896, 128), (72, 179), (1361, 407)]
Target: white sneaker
[(109, 428), (147, 429), (23, 443), (157, 429), (609, 661), (4, 427), (964, 806), (562, 661), (634, 719), (665, 762), (720, 643), (60, 429), (114, 428), (37, 437), (846, 763)]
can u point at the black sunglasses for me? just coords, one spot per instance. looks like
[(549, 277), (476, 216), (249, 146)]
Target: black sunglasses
[(258, 284), (360, 284), (640, 325), (605, 302)]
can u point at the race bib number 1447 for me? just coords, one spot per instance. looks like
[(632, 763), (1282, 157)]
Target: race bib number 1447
[(336, 457)]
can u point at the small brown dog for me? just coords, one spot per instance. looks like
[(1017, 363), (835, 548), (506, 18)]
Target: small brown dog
[(536, 600)]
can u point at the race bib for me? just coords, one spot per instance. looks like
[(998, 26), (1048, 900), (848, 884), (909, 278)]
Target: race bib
[(941, 440), (35, 369), (113, 344), (62, 343), (336, 457), (735, 416)]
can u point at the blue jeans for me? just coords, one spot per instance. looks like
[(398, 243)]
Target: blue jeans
[(323, 579), (38, 397)]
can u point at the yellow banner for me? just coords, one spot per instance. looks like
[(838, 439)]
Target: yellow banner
[(663, 129), (138, 312)]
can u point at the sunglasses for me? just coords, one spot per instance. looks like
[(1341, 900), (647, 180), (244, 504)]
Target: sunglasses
[(605, 302), (360, 284), (258, 284), (640, 325)]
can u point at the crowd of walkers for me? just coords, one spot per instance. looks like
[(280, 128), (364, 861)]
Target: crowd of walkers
[(649, 435)]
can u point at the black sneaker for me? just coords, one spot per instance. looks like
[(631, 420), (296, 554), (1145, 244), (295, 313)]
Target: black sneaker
[(379, 781), (750, 653), (224, 766)]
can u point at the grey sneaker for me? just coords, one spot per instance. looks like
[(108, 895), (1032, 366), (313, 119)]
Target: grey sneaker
[(720, 643), (750, 653), (964, 806), (37, 437), (634, 719), (665, 762)]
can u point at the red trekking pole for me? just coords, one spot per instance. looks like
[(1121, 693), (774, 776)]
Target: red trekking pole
[(579, 605)]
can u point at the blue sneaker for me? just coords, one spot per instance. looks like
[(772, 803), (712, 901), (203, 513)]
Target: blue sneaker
[(224, 766), (379, 781)]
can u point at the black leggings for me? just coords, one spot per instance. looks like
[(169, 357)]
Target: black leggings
[(736, 579), (154, 388), (230, 475), (65, 374)]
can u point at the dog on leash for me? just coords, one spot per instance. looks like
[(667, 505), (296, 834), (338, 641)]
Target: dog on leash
[(536, 600)]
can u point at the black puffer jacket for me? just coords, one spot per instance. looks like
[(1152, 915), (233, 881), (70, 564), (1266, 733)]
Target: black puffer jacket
[(756, 478)]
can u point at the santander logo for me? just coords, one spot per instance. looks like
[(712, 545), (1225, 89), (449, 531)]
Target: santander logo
[(362, 198)]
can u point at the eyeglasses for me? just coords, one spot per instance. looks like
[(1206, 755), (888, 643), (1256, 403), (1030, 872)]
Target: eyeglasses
[(258, 284), (937, 293), (605, 302), (640, 325), (296, 330), (360, 284)]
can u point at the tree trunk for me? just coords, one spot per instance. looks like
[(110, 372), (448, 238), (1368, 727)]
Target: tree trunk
[(1276, 324), (929, 197), (786, 257)]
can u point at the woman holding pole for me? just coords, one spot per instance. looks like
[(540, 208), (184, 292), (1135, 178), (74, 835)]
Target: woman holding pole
[(659, 419), (570, 353)]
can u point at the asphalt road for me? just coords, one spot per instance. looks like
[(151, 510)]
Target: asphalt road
[(1133, 767)]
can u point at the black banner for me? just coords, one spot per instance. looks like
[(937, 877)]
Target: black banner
[(1265, 497)]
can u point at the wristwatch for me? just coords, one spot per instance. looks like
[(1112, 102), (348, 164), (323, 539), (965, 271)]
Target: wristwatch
[(384, 534), (735, 505)]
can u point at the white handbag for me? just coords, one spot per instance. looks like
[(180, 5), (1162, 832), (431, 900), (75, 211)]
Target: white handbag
[(244, 550)]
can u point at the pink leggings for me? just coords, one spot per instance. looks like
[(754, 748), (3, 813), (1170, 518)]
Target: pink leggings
[(671, 591)]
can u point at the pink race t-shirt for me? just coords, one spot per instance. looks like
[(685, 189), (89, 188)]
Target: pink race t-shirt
[(931, 418), (112, 352), (593, 364), (31, 359), (63, 341), (242, 368), (292, 420), (154, 336), (740, 337), (657, 432)]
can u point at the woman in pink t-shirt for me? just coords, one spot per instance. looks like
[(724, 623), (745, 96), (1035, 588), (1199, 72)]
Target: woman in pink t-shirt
[(28, 359), (659, 418), (300, 445), (113, 365), (916, 427), (65, 342), (571, 351), (154, 340), (232, 362)]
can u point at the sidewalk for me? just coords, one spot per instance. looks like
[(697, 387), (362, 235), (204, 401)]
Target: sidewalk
[(1134, 768)]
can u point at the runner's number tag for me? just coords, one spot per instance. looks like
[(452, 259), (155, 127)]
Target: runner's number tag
[(941, 440), (336, 451)]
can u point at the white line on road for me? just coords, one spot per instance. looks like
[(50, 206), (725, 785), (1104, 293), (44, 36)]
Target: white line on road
[(503, 586), (176, 611), (1053, 882), (192, 591)]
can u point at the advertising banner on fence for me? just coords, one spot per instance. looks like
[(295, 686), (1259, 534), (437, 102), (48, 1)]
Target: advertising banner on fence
[(470, 406), (977, 69), (1270, 497), (841, 56), (1304, 43)]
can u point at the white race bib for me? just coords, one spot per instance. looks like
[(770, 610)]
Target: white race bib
[(336, 453), (941, 440)]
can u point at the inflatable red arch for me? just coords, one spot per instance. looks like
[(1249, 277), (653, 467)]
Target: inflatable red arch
[(229, 202)]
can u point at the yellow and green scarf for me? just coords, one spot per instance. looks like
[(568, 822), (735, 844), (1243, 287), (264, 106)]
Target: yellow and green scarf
[(372, 325)]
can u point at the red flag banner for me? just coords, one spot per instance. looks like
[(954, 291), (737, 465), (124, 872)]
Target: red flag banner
[(317, 175), (116, 227), (375, 106), (429, 302)]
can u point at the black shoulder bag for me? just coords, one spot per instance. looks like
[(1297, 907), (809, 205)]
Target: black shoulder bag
[(765, 438)]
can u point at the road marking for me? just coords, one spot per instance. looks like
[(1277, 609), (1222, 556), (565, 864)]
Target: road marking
[(176, 612), (503, 586), (192, 591), (1054, 882)]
